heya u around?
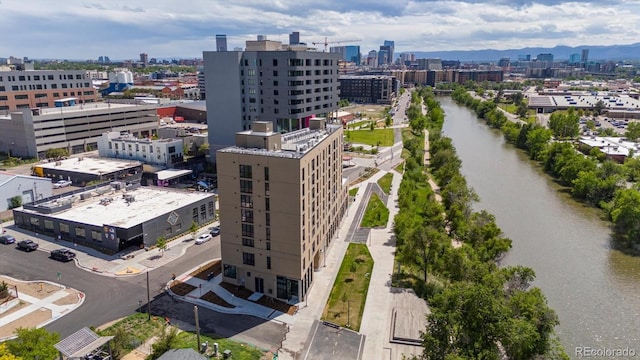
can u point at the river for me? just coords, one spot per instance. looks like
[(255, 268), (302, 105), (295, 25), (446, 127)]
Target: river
[(594, 289)]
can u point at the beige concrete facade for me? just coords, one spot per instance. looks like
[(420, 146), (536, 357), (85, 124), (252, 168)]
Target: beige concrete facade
[(281, 204)]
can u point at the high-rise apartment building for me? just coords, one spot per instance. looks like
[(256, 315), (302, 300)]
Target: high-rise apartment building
[(41, 88), (267, 82), (294, 38), (221, 42), (350, 53), (389, 47), (282, 197), (585, 56), (144, 59), (545, 57), (429, 64)]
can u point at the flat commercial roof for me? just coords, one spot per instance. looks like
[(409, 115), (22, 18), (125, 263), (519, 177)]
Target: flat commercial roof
[(150, 202), (91, 165), (86, 107), (169, 174)]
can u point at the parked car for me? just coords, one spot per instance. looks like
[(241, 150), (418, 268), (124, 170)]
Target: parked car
[(215, 231), (61, 184), (63, 255), (7, 239), (203, 238), (27, 245)]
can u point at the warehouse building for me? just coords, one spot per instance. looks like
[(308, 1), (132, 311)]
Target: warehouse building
[(114, 217)]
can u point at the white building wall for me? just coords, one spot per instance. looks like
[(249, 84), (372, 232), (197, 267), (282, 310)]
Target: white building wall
[(30, 188), (153, 152)]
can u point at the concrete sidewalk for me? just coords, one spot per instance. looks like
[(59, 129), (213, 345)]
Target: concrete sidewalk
[(37, 304)]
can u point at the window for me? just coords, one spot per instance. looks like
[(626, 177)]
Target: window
[(211, 209), (96, 235), (248, 258), (64, 228), (21, 78), (275, 62), (2, 97), (268, 262), (268, 219), (2, 88), (229, 271), (266, 173), (268, 233), (246, 186), (266, 189), (21, 97), (268, 245), (267, 204), (172, 149), (247, 242), (245, 171), (80, 232), (246, 215), (246, 201), (194, 214), (247, 230)]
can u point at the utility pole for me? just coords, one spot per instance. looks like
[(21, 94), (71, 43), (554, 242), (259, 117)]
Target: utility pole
[(195, 312), (348, 313), (148, 298)]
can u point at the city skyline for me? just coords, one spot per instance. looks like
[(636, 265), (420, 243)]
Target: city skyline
[(87, 29)]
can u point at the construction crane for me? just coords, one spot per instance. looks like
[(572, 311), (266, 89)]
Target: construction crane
[(326, 42)]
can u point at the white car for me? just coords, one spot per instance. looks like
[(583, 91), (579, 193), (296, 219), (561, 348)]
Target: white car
[(61, 184), (203, 238)]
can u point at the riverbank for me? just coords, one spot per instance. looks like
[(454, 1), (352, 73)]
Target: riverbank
[(594, 289), (444, 274)]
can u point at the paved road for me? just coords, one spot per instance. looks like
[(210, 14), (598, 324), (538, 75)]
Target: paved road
[(110, 298)]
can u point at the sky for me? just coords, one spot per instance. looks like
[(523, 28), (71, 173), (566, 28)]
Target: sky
[(86, 29)]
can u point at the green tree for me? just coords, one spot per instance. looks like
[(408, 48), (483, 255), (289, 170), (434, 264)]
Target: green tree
[(599, 106), (625, 214), (34, 343), (203, 149), (388, 121), (167, 341), (161, 243), (565, 124), (15, 202), (5, 354), (193, 229), (56, 153), (120, 343), (633, 131)]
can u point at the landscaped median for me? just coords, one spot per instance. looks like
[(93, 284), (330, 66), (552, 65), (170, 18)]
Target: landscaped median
[(376, 214), (349, 293)]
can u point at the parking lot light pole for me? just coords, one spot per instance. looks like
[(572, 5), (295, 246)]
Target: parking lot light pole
[(148, 298)]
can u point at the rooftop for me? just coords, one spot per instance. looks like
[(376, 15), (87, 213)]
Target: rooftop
[(91, 165), (107, 206), (294, 145), (88, 107), (611, 145), (6, 176)]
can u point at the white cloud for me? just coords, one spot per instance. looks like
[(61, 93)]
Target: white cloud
[(122, 29)]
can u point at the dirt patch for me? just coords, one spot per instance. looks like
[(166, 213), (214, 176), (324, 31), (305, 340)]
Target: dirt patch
[(180, 288), (30, 320), (214, 268), (215, 299), (70, 299), (37, 289), (244, 293), (20, 305)]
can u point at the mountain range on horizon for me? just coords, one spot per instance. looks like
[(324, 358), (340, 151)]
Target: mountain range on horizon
[(596, 53)]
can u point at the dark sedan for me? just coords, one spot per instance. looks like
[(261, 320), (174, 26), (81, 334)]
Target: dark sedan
[(27, 245), (7, 239), (63, 255)]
